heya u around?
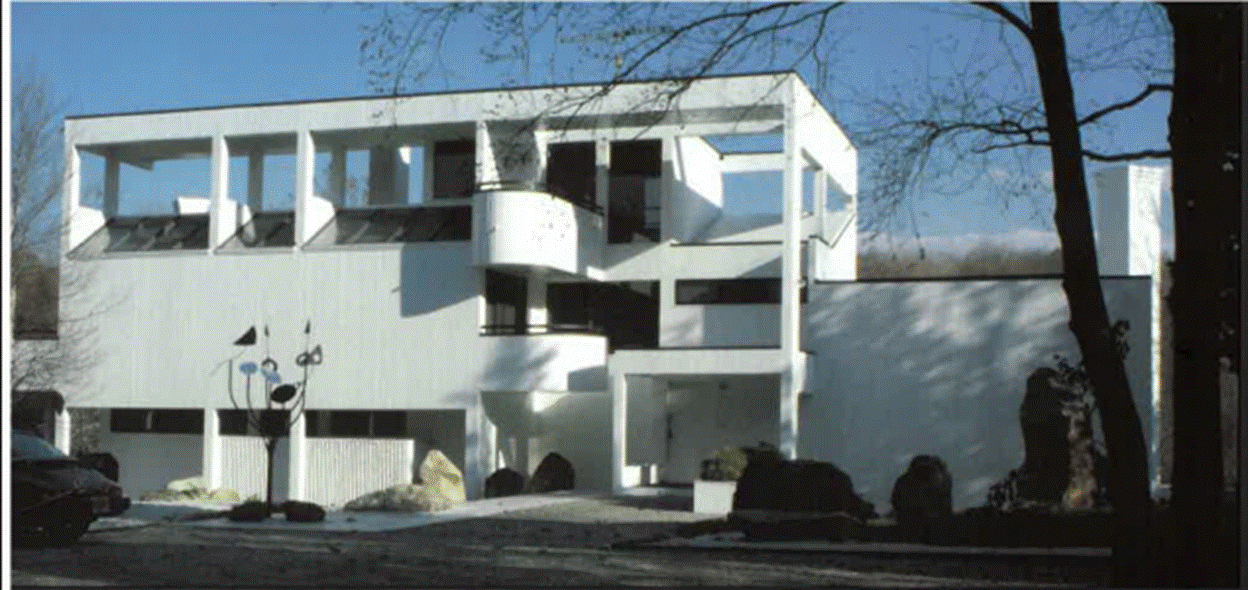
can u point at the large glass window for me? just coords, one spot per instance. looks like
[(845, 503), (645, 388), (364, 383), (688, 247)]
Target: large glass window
[(506, 304), (730, 291), (628, 313), (454, 169), (570, 173), (396, 224), (634, 186), (149, 233)]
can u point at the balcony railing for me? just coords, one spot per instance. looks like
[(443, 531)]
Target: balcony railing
[(530, 329)]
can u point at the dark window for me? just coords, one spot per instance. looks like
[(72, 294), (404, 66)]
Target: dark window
[(633, 200), (394, 225), (245, 422), (357, 423), (140, 234), (232, 422), (738, 291), (570, 172), (157, 421), (389, 424), (265, 229), (628, 313), (454, 169), (506, 304)]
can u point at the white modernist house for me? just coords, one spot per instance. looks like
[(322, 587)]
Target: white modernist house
[(500, 274)]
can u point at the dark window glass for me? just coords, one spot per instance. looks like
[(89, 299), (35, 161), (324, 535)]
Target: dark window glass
[(390, 424), (628, 313), (266, 228), (633, 199), (736, 291), (157, 421), (232, 422), (178, 421), (454, 169), (349, 423), (140, 234), (570, 172), (506, 304), (128, 420)]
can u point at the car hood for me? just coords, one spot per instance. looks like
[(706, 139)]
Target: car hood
[(66, 475)]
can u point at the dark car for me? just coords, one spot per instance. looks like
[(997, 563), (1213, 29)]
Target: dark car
[(56, 497)]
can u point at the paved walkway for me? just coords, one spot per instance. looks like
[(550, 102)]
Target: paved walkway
[(735, 540), (198, 513)]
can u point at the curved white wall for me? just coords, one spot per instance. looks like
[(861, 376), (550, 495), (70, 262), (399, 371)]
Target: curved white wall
[(537, 230)]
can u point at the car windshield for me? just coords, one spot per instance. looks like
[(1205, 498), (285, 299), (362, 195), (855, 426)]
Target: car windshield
[(26, 446)]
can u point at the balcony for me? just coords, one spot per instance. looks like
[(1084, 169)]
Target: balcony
[(529, 231)]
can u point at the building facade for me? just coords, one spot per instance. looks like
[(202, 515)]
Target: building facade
[(630, 281)]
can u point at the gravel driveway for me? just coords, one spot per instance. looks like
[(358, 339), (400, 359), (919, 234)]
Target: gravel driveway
[(561, 545)]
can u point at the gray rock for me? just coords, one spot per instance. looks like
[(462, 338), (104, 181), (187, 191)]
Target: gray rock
[(504, 482), (552, 474)]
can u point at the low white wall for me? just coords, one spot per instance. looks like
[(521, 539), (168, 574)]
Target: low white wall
[(342, 469), (939, 367), (148, 462), (243, 466)]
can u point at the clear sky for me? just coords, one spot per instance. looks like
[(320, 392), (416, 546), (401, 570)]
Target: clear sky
[(118, 57)]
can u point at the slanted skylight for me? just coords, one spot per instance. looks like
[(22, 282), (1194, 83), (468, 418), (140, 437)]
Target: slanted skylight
[(147, 233), (385, 225), (265, 229)]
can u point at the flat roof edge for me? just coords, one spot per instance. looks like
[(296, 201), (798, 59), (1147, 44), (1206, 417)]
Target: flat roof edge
[(424, 94)]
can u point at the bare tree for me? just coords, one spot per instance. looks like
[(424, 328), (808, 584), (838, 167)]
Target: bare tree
[(51, 351), (969, 120)]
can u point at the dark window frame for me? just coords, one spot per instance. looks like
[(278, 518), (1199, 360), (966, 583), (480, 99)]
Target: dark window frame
[(390, 424)]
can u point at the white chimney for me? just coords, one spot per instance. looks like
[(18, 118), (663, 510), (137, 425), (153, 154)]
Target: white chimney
[(1128, 220)]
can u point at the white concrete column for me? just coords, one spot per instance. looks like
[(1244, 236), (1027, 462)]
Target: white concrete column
[(255, 180), (298, 486), (790, 274), (212, 449), (222, 213), (401, 171), (338, 175), (112, 184), (537, 313), (474, 448), (63, 432), (487, 168), (305, 178), (602, 172), (619, 429), (667, 186), (821, 203), (71, 196)]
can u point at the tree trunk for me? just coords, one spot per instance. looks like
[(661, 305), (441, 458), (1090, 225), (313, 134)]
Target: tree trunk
[(1205, 119), (1089, 320)]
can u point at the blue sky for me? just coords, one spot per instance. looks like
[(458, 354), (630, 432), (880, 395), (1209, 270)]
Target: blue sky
[(107, 57)]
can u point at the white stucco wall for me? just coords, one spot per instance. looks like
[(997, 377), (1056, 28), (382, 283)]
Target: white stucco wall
[(939, 367), (576, 425), (715, 412), (148, 462), (720, 325), (698, 187)]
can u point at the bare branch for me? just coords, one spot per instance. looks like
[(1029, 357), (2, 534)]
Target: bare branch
[(1009, 17), (1126, 104)]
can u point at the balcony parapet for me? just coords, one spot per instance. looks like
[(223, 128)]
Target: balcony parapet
[(529, 230), (545, 362)]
